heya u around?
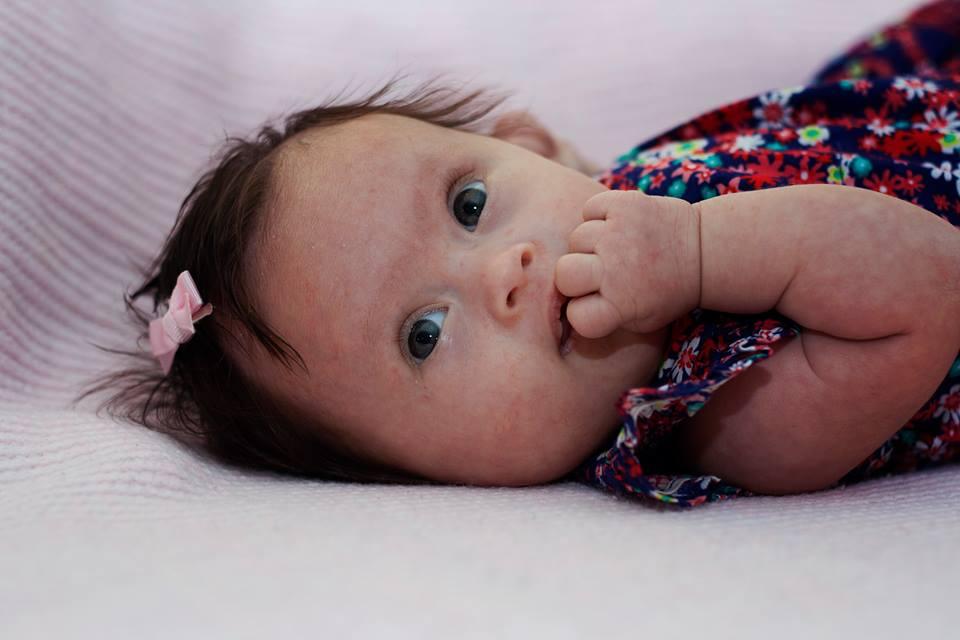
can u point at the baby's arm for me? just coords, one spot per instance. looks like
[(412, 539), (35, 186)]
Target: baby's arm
[(874, 281)]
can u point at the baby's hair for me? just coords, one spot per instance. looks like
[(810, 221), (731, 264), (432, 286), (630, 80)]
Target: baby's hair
[(205, 400)]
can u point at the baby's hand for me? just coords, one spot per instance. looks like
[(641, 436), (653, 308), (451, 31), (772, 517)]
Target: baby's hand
[(633, 264)]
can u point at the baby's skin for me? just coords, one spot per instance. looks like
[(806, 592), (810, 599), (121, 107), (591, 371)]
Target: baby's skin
[(419, 271)]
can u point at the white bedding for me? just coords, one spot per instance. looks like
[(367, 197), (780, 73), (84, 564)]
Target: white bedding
[(107, 112)]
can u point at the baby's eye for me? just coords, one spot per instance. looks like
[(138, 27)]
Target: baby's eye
[(424, 334), (468, 204)]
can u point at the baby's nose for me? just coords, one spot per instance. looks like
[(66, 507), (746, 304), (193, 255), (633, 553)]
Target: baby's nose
[(506, 278)]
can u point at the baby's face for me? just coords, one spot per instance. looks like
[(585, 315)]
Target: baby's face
[(412, 266)]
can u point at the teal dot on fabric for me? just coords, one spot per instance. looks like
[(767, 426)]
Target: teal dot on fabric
[(907, 436), (625, 157), (776, 146), (644, 183), (677, 188), (713, 162), (708, 192), (955, 369), (902, 124), (861, 166)]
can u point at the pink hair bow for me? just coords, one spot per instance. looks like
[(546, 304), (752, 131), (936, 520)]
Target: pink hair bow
[(176, 326)]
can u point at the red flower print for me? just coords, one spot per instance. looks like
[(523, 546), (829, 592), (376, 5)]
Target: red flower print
[(658, 165), (941, 202), (911, 183), (687, 358), (785, 135), (804, 173), (765, 171), (862, 87), (924, 142), (868, 143), (688, 168), (886, 183), (657, 180), (943, 99), (731, 187), (879, 123), (616, 182), (894, 98), (896, 145)]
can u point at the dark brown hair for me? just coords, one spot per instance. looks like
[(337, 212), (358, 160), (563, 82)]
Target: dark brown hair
[(205, 401)]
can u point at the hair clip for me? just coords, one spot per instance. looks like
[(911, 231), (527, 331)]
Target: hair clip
[(175, 327)]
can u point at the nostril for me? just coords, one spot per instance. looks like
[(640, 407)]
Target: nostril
[(526, 257), (510, 300)]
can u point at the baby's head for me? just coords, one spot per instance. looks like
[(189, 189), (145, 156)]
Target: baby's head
[(382, 278)]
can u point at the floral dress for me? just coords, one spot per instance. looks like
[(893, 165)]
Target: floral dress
[(884, 116)]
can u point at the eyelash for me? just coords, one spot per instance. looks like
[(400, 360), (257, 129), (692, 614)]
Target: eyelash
[(454, 179), (405, 328)]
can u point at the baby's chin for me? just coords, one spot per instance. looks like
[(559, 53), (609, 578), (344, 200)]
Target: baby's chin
[(558, 448)]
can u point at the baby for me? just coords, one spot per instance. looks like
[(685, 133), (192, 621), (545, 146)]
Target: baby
[(394, 296)]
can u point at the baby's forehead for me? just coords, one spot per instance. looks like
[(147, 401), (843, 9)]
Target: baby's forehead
[(339, 169), (374, 147), (365, 133)]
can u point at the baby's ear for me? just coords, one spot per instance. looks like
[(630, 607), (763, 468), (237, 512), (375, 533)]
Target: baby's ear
[(521, 128)]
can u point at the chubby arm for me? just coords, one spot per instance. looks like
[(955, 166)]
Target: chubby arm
[(874, 281)]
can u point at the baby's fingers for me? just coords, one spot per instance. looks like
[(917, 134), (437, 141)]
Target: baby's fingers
[(593, 316), (583, 239), (578, 274)]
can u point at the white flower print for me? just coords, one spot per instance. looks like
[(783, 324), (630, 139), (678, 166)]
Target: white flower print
[(651, 156), (948, 409), (775, 111), (934, 451), (942, 121), (881, 127), (747, 143), (914, 87), (769, 335), (945, 170)]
